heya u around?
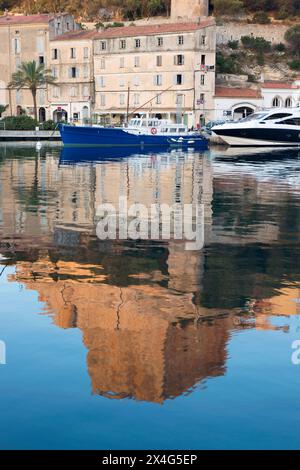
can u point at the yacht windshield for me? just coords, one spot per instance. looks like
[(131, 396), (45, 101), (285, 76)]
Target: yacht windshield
[(254, 117)]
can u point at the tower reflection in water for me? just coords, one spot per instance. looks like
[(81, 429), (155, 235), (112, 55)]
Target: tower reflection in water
[(153, 316)]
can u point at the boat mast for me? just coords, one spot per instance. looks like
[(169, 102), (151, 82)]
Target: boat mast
[(128, 101)]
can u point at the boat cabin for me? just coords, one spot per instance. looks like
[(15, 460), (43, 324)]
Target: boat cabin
[(156, 126)]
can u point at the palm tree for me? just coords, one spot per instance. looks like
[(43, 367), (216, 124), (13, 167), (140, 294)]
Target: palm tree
[(3, 108), (31, 76)]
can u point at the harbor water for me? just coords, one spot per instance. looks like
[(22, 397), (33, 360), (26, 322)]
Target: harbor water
[(126, 344)]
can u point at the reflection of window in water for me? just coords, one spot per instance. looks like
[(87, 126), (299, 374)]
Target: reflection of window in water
[(2, 352)]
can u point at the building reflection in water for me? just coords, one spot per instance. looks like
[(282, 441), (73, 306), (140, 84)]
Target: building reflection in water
[(152, 315)]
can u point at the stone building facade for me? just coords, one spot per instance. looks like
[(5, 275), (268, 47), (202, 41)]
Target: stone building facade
[(164, 70), (71, 62), (25, 38)]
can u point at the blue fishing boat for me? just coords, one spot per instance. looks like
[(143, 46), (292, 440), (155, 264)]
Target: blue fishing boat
[(140, 132)]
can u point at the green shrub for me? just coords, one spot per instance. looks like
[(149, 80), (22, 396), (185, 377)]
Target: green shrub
[(251, 78), (294, 64), (292, 36), (260, 58), (282, 14), (99, 25), (233, 44), (280, 47), (48, 125), (228, 64), (261, 17), (3, 108), (228, 7), (20, 123), (258, 44)]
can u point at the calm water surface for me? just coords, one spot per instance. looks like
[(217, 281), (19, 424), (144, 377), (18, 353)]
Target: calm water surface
[(147, 345)]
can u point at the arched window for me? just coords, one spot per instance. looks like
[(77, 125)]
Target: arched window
[(276, 103), (288, 103)]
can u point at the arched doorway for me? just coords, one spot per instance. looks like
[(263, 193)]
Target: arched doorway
[(20, 110), (242, 111), (85, 114), (60, 114), (42, 115)]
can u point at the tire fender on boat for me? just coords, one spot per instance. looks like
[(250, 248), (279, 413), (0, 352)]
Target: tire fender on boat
[(153, 130)]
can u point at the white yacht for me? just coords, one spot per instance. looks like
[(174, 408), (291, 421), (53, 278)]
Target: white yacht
[(278, 127)]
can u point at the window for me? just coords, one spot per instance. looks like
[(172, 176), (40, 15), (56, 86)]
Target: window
[(54, 71), (158, 99), (180, 40), (136, 80), (122, 82), (41, 59), (202, 79), (85, 52), (102, 64), (73, 72), (122, 62), (85, 91), (202, 98), (18, 96), (276, 102), (179, 59), (40, 44), (137, 43), (288, 103), (160, 42), (122, 44), (136, 61), (122, 99), (85, 71), (17, 45), (277, 116), (101, 81), (136, 98), (73, 91), (290, 122), (158, 60), (73, 53), (178, 79), (158, 80), (103, 45), (203, 40), (55, 92), (54, 54), (102, 100), (179, 100), (203, 59)]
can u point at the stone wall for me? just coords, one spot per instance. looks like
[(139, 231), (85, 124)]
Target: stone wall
[(234, 31)]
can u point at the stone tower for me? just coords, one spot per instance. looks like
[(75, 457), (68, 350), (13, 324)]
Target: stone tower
[(189, 9)]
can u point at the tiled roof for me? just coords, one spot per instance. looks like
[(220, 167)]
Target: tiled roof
[(144, 30), (76, 35), (24, 19), (226, 92), (278, 85)]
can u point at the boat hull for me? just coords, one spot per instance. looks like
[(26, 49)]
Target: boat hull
[(86, 136), (255, 137)]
